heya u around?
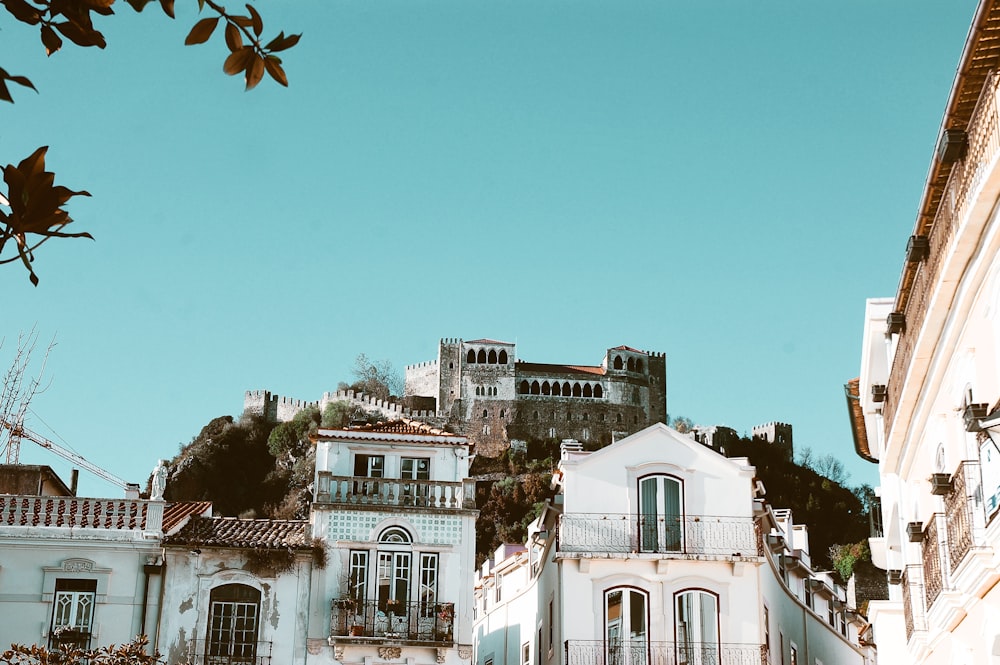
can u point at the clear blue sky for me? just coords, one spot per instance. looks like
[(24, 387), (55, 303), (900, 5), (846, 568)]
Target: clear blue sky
[(724, 182)]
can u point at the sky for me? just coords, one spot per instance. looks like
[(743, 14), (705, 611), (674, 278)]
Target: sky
[(724, 182)]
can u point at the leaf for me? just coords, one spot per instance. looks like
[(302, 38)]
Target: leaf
[(201, 31), (81, 36), (255, 71), (50, 40), (243, 21), (168, 7), (273, 66), (237, 61), (258, 23), (5, 93), (23, 11), (233, 38), (138, 5), (287, 43)]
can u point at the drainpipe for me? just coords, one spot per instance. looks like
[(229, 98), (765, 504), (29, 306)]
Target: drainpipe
[(147, 570)]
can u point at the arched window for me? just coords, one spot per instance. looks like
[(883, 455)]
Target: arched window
[(626, 621), (233, 624), (523, 388), (661, 514), (631, 364), (638, 365), (556, 390), (696, 622), (481, 357), (471, 358), (546, 388), (501, 413), (586, 416), (451, 365), (502, 357), (534, 388), (477, 390), (598, 391), (577, 391), (536, 415), (567, 390), (618, 362), (588, 391), (485, 413), (619, 417), (492, 358), (395, 534)]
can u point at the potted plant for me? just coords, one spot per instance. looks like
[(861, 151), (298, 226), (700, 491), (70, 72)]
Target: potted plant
[(357, 630)]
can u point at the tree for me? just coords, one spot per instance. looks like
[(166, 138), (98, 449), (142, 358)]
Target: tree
[(31, 211), (682, 424), (377, 378)]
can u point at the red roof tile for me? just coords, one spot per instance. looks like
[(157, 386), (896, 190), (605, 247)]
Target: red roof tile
[(559, 369), (488, 341), (627, 348), (175, 513)]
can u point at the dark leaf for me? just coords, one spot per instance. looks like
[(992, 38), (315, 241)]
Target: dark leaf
[(233, 38), (50, 40), (238, 61), (258, 23), (202, 30), (5, 93), (287, 43), (255, 71), (138, 5), (168, 7), (23, 11), (22, 80), (243, 21), (274, 42), (81, 36), (273, 66)]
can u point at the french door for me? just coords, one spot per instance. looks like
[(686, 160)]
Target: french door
[(661, 510), (626, 634)]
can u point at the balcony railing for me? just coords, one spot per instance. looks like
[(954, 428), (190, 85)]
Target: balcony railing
[(396, 492), (932, 555), (415, 621), (914, 609), (63, 511), (640, 652), (955, 204), (958, 507), (207, 652), (631, 533)]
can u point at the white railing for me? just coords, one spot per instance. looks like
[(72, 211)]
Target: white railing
[(75, 512)]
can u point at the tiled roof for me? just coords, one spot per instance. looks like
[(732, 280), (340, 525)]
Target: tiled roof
[(559, 369), (174, 513), (856, 414), (627, 348), (244, 534), (402, 426), (488, 341)]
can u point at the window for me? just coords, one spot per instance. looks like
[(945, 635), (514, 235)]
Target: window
[(697, 627), (415, 468), (232, 625), (526, 653), (393, 582), (498, 587), (369, 466), (660, 514), (626, 636), (793, 655), (72, 613), (767, 632), (358, 576), (552, 623), (428, 583)]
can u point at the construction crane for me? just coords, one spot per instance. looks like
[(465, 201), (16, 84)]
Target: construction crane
[(17, 432)]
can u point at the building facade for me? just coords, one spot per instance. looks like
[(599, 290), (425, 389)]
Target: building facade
[(658, 551), (396, 508), (925, 405)]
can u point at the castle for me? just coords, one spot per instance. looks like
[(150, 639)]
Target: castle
[(479, 389)]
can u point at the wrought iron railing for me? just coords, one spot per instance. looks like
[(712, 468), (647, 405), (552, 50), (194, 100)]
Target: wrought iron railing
[(64, 638), (71, 511), (354, 490), (966, 484), (641, 652), (914, 609), (228, 652), (691, 534), (956, 202), (932, 554), (416, 621)]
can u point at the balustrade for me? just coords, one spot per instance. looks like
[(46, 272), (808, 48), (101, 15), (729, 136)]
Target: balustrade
[(914, 609), (397, 492), (641, 652), (631, 533), (59, 511)]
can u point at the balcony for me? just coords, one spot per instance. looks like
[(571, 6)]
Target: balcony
[(682, 536), (637, 652), (932, 559), (228, 652), (80, 513), (410, 621), (958, 509), (395, 492), (914, 609)]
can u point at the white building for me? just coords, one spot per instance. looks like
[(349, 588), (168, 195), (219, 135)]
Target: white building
[(657, 551), (75, 571), (925, 406), (396, 507)]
